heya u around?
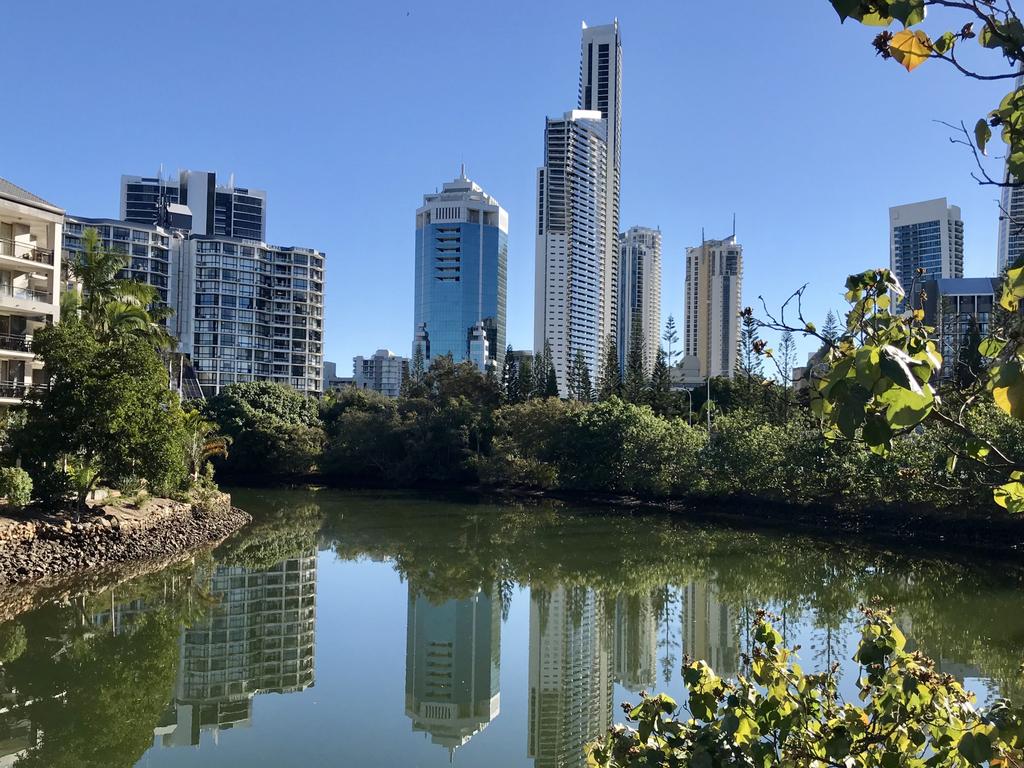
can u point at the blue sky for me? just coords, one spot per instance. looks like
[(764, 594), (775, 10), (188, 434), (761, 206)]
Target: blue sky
[(348, 113)]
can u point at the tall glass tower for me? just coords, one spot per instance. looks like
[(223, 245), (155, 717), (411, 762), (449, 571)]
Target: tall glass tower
[(926, 236), (461, 275)]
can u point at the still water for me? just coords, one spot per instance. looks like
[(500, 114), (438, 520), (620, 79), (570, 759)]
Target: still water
[(399, 630)]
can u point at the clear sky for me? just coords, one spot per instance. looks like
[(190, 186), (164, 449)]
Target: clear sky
[(347, 113)]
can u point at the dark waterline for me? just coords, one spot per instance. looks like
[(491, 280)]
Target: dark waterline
[(405, 630)]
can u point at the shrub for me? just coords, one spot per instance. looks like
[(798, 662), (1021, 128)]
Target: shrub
[(16, 486)]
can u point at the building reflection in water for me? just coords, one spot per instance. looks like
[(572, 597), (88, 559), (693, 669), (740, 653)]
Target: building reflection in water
[(452, 662), (257, 637), (635, 642), (570, 699), (711, 629)]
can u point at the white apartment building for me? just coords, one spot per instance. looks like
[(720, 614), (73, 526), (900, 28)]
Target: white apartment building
[(30, 235), (571, 250), (383, 372), (640, 292), (600, 88), (714, 290), (928, 236)]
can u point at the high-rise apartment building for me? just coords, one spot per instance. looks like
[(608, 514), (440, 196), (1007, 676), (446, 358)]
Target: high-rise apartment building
[(714, 290), (570, 693), (382, 372), (639, 292), (571, 242), (217, 209), (578, 189), (244, 310), (31, 230), (461, 275), (926, 236), (600, 88), (1011, 218), (452, 664)]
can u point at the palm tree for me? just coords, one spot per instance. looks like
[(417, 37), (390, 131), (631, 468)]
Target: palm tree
[(203, 443), (111, 305)]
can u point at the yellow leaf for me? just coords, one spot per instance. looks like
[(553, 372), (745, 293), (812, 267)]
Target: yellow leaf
[(910, 48)]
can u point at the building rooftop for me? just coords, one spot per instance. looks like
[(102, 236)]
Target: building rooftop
[(967, 285), (12, 191)]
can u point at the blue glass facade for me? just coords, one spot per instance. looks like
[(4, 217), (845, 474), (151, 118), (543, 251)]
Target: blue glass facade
[(461, 283)]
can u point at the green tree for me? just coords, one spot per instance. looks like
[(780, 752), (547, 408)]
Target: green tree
[(634, 386), (275, 430), (111, 305), (202, 443), (109, 412), (550, 378), (510, 378), (610, 384), (671, 338), (579, 385), (831, 330), (526, 366), (660, 390)]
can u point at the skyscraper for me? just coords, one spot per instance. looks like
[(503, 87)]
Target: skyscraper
[(571, 237), (577, 274), (635, 642), (461, 275), (639, 291), (714, 288), (710, 629), (452, 661), (217, 209), (928, 236), (570, 699), (600, 88), (1011, 218)]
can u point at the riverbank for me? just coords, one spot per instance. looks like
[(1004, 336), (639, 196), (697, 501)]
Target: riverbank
[(53, 548), (995, 533)]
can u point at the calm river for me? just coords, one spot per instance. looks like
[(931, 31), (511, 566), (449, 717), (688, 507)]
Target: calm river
[(398, 630)]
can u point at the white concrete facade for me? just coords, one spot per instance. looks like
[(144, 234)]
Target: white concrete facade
[(1010, 246), (31, 230), (714, 290), (927, 236), (600, 88), (640, 292), (382, 372), (571, 250)]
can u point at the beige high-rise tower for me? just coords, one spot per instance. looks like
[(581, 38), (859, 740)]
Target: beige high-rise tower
[(714, 287)]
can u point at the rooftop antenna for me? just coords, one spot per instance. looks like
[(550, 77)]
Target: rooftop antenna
[(462, 172), (734, 224)]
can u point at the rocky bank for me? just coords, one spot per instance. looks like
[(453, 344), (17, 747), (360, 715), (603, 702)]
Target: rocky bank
[(53, 548)]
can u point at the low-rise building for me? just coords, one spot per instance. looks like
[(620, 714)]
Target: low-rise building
[(383, 372), (952, 306), (30, 235)]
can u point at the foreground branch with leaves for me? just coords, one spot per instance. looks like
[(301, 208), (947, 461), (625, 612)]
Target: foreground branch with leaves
[(776, 715)]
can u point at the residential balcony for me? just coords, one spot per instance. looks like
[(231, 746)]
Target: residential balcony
[(19, 343), (15, 391), (15, 249), (26, 301)]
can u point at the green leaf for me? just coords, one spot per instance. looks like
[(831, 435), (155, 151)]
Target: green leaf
[(906, 408), (1008, 388), (991, 347), (975, 747), (876, 430), (982, 133), (1010, 496), (945, 42), (909, 12)]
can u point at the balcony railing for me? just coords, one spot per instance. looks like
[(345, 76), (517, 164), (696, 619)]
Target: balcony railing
[(20, 388), (11, 292), (18, 250), (15, 343)]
